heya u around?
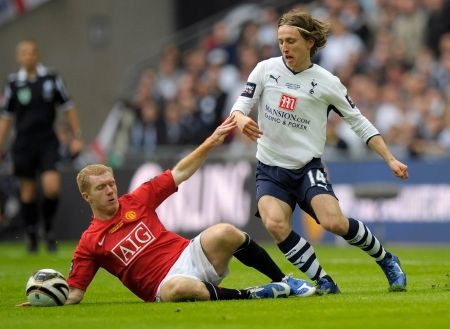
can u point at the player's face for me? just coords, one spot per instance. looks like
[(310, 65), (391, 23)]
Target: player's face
[(294, 48), (102, 196), (27, 55)]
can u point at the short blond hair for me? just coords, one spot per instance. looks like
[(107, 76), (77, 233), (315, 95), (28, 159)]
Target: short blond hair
[(90, 170), (309, 27)]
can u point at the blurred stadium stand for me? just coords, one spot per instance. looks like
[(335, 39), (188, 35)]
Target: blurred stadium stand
[(112, 51)]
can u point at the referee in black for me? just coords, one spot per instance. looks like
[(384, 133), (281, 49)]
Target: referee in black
[(31, 99)]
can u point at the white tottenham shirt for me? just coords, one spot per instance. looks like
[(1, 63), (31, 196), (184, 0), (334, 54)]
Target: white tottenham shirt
[(293, 111)]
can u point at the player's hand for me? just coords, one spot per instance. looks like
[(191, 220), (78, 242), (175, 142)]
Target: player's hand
[(399, 169), (223, 130), (248, 126), (24, 304), (76, 146)]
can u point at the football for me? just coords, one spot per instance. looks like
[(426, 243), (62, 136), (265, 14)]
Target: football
[(47, 287)]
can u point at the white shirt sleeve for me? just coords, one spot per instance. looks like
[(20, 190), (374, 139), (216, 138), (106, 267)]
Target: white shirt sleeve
[(252, 91), (345, 108)]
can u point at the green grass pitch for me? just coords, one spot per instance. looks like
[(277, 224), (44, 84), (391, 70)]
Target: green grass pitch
[(364, 303)]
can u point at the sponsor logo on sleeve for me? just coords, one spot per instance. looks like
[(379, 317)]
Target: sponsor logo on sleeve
[(249, 90), (350, 101)]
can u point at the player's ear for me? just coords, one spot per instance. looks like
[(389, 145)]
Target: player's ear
[(310, 42), (85, 196)]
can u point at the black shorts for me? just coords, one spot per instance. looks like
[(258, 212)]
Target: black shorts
[(32, 159), (296, 186)]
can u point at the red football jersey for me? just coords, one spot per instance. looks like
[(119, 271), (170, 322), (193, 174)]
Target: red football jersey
[(134, 245)]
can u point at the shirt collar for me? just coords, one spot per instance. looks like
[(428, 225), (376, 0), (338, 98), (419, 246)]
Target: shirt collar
[(41, 70)]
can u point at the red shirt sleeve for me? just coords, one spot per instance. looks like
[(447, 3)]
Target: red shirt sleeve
[(83, 267), (156, 190)]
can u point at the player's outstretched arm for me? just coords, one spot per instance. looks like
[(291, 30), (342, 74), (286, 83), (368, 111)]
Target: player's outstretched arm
[(399, 169), (189, 164)]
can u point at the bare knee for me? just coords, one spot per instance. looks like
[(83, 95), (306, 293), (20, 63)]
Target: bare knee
[(229, 230), (51, 183), (329, 214), (179, 289), (335, 224), (276, 216), (278, 228), (227, 234)]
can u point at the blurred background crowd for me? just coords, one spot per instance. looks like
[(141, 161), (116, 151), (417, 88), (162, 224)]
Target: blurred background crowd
[(393, 56), (153, 79)]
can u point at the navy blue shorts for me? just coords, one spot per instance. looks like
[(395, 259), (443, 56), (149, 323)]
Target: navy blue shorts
[(296, 186)]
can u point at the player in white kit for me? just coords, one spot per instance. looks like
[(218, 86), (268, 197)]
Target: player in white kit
[(294, 97)]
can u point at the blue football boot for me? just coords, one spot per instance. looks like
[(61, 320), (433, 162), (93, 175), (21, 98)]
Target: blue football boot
[(270, 290), (326, 285), (394, 273), (299, 288)]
